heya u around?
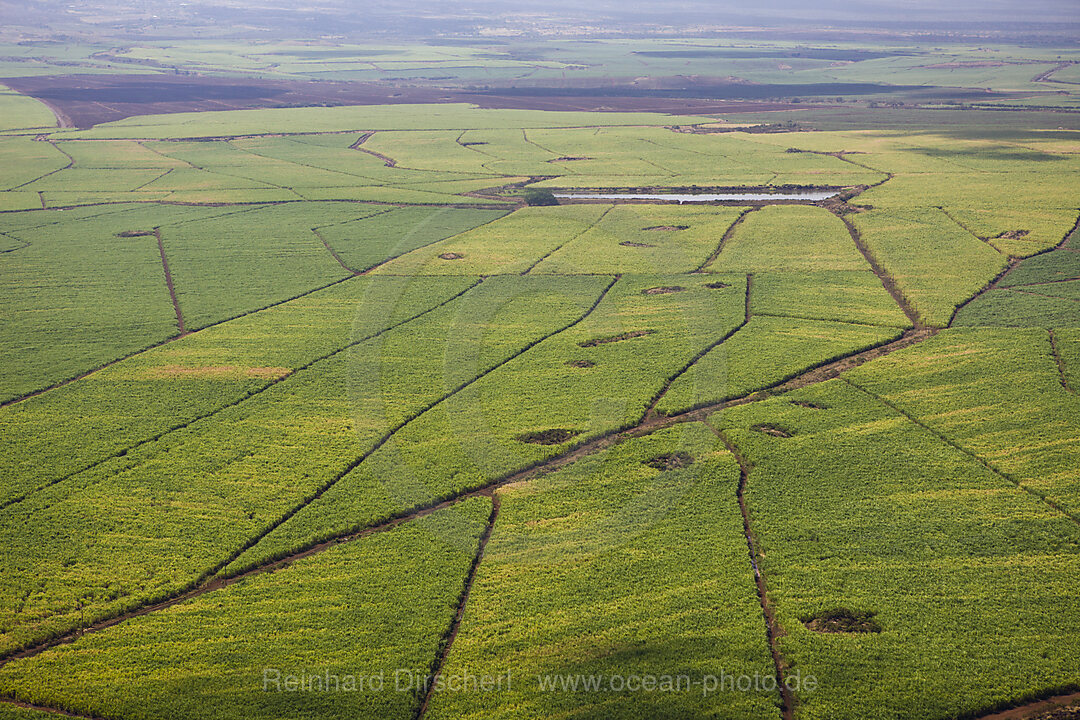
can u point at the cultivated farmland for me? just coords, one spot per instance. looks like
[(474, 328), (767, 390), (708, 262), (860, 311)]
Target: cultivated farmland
[(336, 393)]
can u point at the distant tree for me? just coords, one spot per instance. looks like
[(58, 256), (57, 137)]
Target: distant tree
[(540, 197)]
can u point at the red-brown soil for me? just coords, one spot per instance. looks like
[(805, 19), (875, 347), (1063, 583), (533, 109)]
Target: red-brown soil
[(87, 100)]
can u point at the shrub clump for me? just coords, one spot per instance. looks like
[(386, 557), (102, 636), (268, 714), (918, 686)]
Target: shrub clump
[(671, 461), (538, 197), (554, 436), (842, 620)]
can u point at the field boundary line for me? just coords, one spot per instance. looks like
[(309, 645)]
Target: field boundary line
[(705, 351), (364, 137), (166, 341), (1060, 362), (12, 237), (971, 454), (180, 330), (71, 164), (1012, 265), (971, 232), (887, 280), (1042, 295), (333, 252), (591, 226), (148, 182), (1045, 76), (826, 320), (773, 630), (1034, 284), (368, 178), (725, 238), (239, 401), (451, 634)]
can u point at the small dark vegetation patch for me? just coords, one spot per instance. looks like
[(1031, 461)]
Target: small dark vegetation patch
[(808, 404), (717, 285), (554, 436), (665, 290), (772, 430), (134, 233), (539, 197), (1014, 234), (842, 620), (581, 363), (627, 243), (671, 461), (615, 338), (667, 228), (570, 158), (472, 144), (451, 256)]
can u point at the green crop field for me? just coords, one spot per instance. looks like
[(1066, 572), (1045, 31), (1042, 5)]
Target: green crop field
[(324, 394)]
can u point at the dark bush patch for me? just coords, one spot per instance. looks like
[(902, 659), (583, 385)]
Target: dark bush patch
[(134, 233), (615, 338), (842, 620), (1014, 234), (538, 197), (717, 285), (671, 461), (627, 243), (570, 158), (451, 256), (808, 404), (666, 290), (554, 436), (667, 228), (772, 430), (581, 363)]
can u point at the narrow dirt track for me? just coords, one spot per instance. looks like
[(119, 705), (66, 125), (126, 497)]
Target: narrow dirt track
[(705, 351), (180, 331), (773, 631), (887, 280), (455, 625), (728, 234), (1013, 264), (575, 237), (388, 161), (326, 244), (1060, 363)]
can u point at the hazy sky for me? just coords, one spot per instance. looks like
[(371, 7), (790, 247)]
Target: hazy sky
[(425, 18)]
